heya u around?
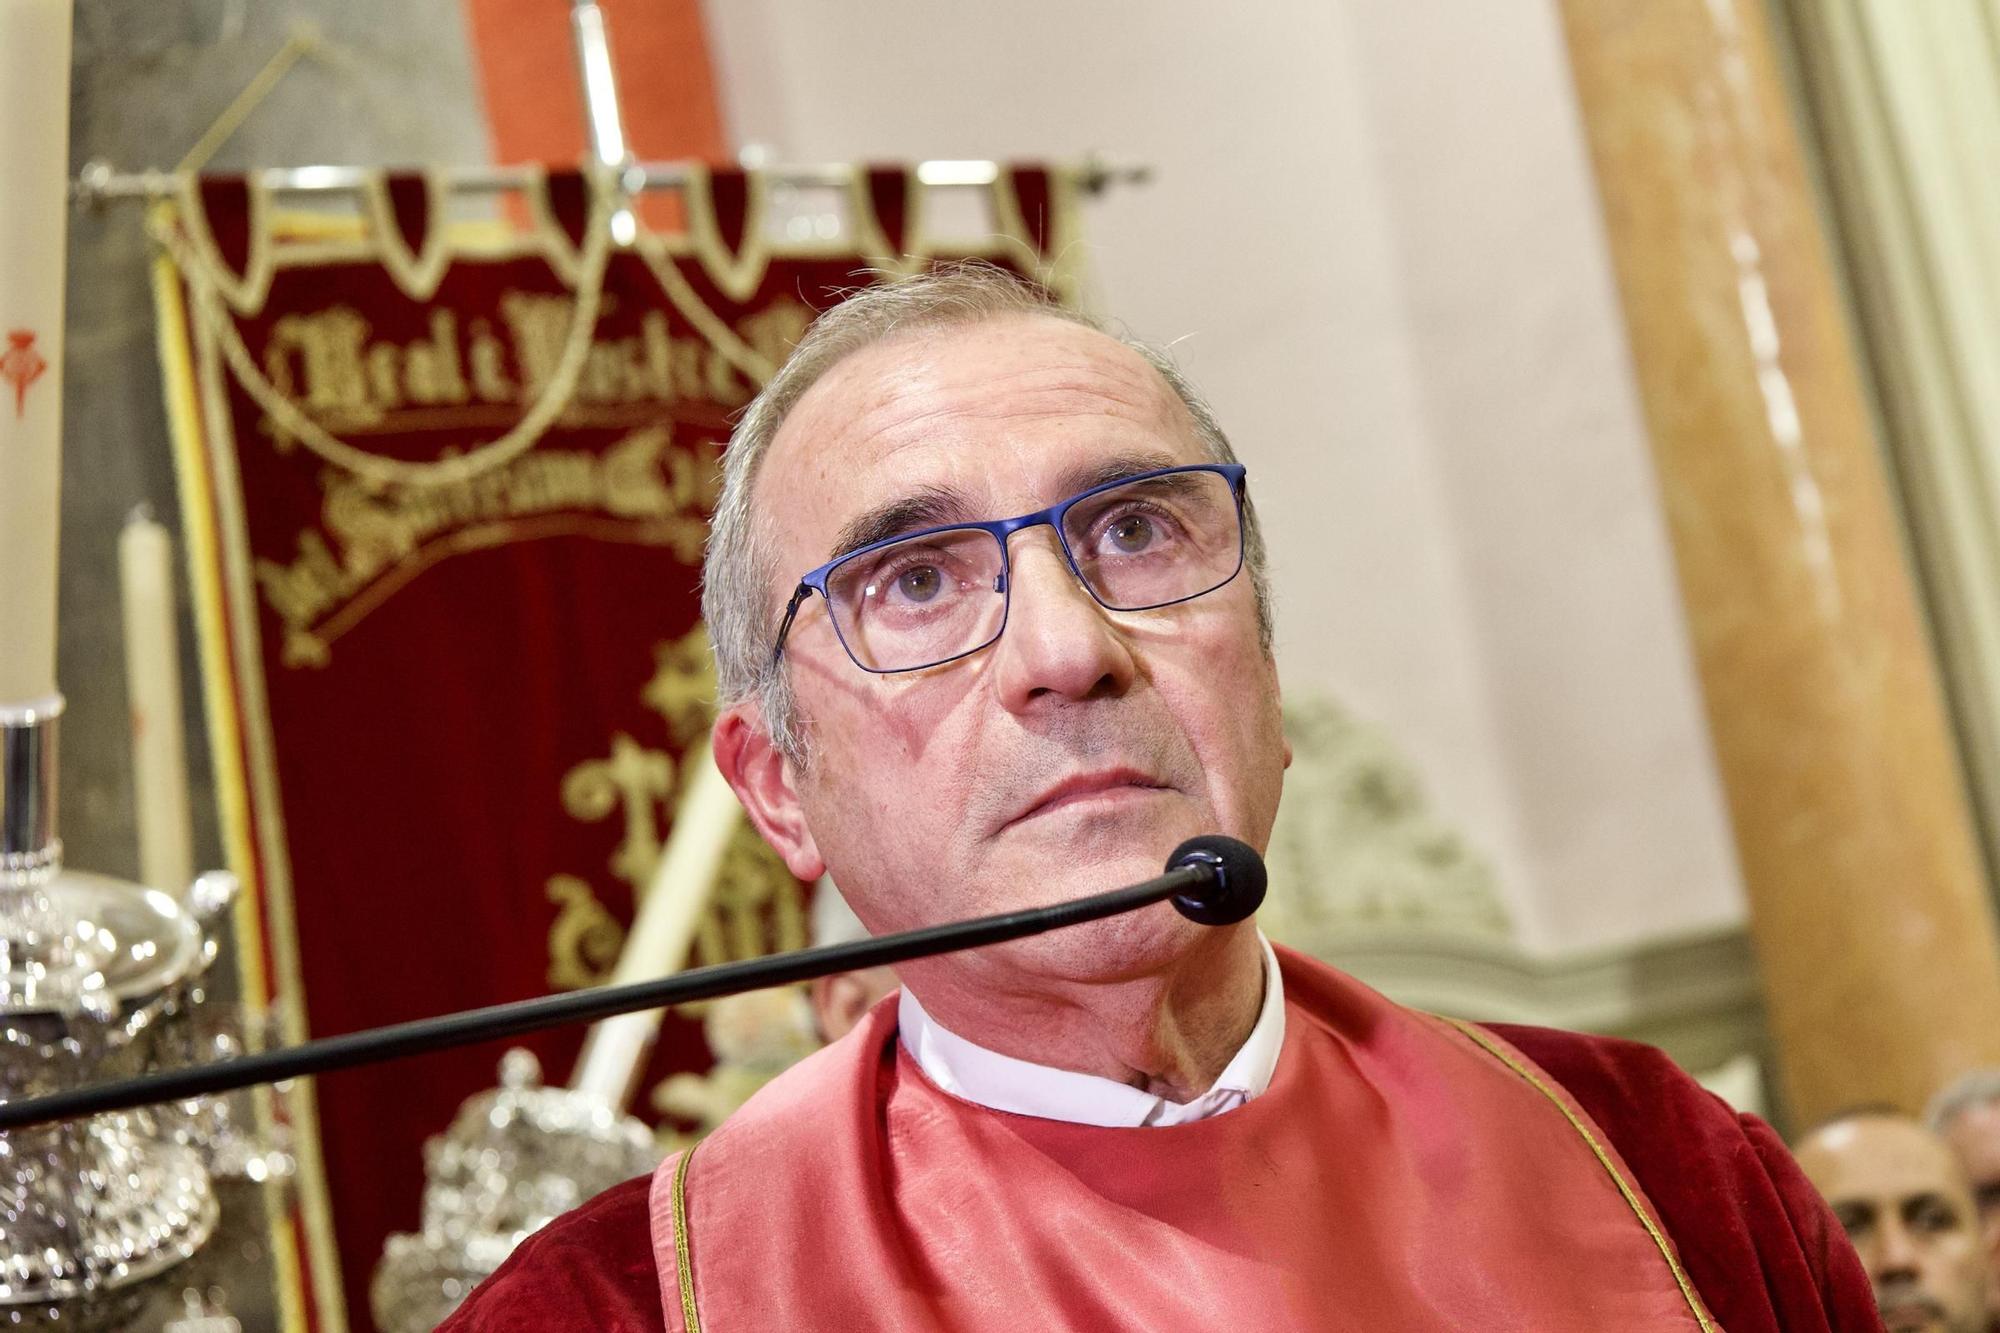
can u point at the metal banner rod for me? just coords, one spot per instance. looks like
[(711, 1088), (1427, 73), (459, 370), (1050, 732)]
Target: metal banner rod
[(100, 183)]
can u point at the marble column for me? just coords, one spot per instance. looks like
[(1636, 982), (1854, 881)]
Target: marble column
[(1869, 905)]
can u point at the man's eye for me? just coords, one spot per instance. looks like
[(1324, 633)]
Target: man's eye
[(1132, 534), (1135, 532), (919, 583), (1933, 1217)]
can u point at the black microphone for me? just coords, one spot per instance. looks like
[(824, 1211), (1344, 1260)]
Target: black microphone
[(1238, 888), (1215, 880)]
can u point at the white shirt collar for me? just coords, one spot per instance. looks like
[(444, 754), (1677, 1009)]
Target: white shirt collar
[(1003, 1083)]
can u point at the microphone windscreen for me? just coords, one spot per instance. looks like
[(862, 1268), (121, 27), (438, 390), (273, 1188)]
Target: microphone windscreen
[(1237, 889)]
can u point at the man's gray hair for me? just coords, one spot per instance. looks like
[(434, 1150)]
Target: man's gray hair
[(1966, 1093), (741, 599)]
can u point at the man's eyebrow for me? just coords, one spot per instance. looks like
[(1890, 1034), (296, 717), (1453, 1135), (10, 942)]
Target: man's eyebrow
[(927, 507), (1118, 467), (935, 506), (1930, 1199)]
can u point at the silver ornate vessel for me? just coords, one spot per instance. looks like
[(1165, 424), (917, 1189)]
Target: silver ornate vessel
[(516, 1157), (93, 973)]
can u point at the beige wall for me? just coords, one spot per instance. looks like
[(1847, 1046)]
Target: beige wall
[(1374, 242)]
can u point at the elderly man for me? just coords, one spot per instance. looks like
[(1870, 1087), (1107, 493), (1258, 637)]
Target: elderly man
[(1905, 1203), (1967, 1116), (992, 630)]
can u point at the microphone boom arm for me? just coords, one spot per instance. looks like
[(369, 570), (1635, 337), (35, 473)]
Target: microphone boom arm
[(1199, 877)]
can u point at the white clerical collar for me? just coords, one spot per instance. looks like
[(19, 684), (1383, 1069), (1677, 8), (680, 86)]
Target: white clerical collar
[(1002, 1083)]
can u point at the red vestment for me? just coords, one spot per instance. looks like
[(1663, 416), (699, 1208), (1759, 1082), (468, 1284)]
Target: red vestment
[(1399, 1174)]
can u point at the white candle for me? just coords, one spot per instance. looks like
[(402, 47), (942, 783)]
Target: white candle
[(153, 684), (615, 1049), (34, 186)]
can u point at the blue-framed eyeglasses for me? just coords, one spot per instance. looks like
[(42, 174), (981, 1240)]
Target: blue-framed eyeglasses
[(926, 598)]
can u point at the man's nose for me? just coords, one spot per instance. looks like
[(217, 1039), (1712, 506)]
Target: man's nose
[(1895, 1254), (1059, 643)]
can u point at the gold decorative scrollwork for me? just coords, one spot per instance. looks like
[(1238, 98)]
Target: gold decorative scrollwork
[(757, 906), (682, 689), (585, 941), (634, 781)]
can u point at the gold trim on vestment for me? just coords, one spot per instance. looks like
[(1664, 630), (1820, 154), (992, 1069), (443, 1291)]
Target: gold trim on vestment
[(1494, 1048), (689, 1314)]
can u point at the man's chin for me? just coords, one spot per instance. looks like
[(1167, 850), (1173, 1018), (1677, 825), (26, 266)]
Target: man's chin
[(1109, 843)]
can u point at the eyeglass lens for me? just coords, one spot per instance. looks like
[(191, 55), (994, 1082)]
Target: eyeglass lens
[(937, 596)]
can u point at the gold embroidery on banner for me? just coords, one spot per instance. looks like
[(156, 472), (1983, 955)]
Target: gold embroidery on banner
[(330, 367), (872, 234), (754, 351), (304, 239), (682, 689), (204, 277), (417, 275), (371, 541), (735, 275), (689, 1314), (776, 329), (326, 365), (585, 940), (757, 906), (752, 884), (246, 291), (1011, 236), (634, 781), (546, 235), (1625, 1188)]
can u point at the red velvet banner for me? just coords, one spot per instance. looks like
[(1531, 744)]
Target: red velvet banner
[(446, 490)]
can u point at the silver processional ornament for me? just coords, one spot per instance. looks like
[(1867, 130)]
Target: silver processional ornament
[(517, 1157), (95, 976), (235, 1143)]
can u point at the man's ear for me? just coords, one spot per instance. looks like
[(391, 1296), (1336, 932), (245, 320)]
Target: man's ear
[(763, 780), (1278, 694)]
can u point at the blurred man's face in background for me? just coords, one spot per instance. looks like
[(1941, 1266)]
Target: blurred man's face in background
[(1904, 1201), (1974, 1134), (841, 1001)]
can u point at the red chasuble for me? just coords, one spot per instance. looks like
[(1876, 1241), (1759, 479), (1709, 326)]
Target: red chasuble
[(1400, 1173)]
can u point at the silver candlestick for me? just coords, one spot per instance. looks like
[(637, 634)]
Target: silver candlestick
[(93, 971)]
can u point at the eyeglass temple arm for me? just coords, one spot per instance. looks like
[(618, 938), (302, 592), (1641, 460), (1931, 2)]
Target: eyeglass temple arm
[(799, 594)]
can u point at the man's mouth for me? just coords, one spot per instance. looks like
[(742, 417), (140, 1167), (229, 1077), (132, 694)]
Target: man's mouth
[(1101, 785), (1912, 1316)]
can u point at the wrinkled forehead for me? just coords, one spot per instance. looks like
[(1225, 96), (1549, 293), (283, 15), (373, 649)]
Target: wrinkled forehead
[(1881, 1160), (1007, 415)]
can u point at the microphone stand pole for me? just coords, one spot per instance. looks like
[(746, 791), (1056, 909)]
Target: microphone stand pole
[(508, 1020)]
